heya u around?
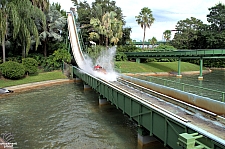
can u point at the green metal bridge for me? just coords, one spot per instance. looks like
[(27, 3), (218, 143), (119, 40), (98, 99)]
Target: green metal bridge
[(174, 129), (180, 54), (175, 122)]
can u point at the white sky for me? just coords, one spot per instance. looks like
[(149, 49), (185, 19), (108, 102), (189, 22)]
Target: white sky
[(166, 13)]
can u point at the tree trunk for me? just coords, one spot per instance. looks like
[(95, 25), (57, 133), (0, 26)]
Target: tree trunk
[(144, 37), (106, 42), (3, 49), (45, 47), (24, 50)]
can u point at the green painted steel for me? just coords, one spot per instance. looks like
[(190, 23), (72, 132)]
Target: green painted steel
[(179, 65), (206, 53), (156, 121), (147, 43)]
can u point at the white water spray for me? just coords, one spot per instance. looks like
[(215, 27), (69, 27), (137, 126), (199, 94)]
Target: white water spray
[(106, 61)]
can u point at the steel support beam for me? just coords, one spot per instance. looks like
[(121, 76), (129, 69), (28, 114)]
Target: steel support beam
[(163, 125)]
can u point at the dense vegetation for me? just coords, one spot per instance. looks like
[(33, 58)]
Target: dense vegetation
[(37, 29)]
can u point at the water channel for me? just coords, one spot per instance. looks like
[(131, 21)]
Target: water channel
[(213, 82), (65, 116)]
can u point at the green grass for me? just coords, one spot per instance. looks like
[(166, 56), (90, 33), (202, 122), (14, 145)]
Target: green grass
[(133, 67), (125, 67), (30, 79)]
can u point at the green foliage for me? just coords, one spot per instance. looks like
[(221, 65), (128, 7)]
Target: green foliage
[(128, 48), (48, 64), (188, 33), (62, 55), (28, 16), (120, 56), (12, 70), (164, 47), (54, 61), (30, 65), (38, 57), (15, 59)]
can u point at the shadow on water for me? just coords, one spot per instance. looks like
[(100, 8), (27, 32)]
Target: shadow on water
[(66, 116)]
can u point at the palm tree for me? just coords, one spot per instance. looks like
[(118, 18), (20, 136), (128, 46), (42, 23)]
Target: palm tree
[(28, 16), (153, 42), (167, 35), (41, 4), (145, 19), (109, 27), (117, 31), (107, 20), (7, 11)]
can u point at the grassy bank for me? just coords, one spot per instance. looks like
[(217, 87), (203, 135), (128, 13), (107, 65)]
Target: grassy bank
[(133, 67), (30, 79), (124, 67)]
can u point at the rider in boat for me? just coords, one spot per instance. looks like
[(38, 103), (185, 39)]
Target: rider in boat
[(100, 69)]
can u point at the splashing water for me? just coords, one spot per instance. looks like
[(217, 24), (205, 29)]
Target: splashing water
[(106, 61)]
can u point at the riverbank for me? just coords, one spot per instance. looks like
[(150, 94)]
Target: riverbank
[(35, 85)]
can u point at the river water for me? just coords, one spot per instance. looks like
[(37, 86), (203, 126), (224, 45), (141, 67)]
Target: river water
[(66, 117)]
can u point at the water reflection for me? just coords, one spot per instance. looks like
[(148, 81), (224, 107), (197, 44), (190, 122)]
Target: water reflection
[(64, 116)]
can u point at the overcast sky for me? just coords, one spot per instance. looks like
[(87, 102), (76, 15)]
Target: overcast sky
[(166, 13)]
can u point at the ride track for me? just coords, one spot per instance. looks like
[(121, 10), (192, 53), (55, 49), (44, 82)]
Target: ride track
[(205, 122)]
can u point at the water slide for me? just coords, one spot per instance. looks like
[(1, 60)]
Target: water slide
[(74, 40), (83, 63)]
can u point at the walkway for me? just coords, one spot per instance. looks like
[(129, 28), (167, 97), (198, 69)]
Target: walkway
[(29, 86)]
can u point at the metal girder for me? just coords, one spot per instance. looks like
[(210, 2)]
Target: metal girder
[(159, 123), (204, 53)]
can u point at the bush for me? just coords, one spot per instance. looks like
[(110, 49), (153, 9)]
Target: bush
[(38, 57), (30, 65), (12, 70), (61, 55), (120, 56), (54, 61)]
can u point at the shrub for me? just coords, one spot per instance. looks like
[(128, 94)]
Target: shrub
[(38, 57), (54, 61), (12, 70), (120, 56), (61, 55), (30, 65)]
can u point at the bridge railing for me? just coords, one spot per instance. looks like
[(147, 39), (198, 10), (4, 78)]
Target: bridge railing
[(198, 90)]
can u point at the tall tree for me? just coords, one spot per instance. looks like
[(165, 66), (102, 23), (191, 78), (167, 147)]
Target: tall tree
[(145, 19), (41, 4), (7, 12), (55, 24), (97, 10), (28, 16), (153, 41), (167, 35), (216, 34), (187, 33), (109, 27), (126, 36)]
